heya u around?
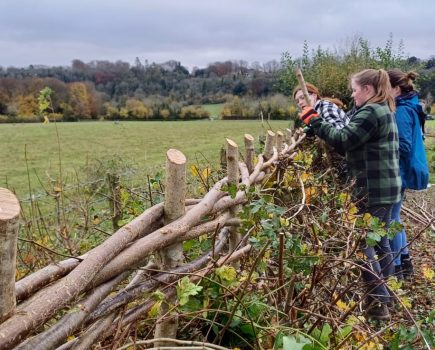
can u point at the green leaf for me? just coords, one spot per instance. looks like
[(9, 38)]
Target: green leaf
[(344, 332), (158, 295), (324, 336), (290, 343), (236, 319), (185, 289), (154, 311), (232, 190), (248, 329), (373, 238), (394, 228), (227, 273)]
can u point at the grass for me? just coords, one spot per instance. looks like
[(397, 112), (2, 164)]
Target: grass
[(142, 144), (214, 109), (430, 148)]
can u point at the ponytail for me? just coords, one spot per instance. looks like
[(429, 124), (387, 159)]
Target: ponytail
[(402, 80), (379, 79)]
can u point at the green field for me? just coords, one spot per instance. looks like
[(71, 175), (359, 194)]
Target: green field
[(214, 110), (430, 148), (142, 144)]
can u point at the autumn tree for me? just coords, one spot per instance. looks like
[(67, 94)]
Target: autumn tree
[(79, 100)]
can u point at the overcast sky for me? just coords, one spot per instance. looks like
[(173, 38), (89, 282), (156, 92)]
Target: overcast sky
[(198, 32)]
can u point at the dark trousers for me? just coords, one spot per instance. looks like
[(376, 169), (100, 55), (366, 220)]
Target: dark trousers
[(379, 265)]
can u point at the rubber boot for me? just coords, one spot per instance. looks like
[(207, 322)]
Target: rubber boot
[(376, 310), (407, 267)]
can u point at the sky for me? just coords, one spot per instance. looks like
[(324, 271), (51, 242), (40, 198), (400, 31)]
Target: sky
[(199, 32)]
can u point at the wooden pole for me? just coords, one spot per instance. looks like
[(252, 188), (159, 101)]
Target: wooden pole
[(249, 152), (288, 136), (9, 214), (115, 199), (303, 85), (233, 180), (223, 158), (232, 162), (270, 142), (279, 141), (304, 89), (172, 256)]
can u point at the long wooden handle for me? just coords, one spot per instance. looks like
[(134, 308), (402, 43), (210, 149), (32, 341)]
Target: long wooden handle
[(301, 80)]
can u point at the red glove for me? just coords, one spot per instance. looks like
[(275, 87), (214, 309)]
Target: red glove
[(306, 115)]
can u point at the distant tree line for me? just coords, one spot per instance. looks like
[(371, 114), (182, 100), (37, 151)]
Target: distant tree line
[(167, 91), (102, 89)]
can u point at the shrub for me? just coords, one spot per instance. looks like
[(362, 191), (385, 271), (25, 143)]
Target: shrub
[(274, 107), (194, 112)]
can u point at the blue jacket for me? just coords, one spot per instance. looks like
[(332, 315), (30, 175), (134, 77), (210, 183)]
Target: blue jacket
[(413, 165)]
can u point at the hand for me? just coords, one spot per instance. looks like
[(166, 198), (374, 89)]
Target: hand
[(306, 115)]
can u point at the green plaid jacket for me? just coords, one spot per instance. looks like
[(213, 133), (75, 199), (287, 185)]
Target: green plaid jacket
[(371, 143)]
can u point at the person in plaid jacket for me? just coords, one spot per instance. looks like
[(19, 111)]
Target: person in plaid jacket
[(371, 144), (328, 109)]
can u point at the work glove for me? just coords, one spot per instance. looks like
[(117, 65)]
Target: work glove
[(309, 131), (306, 115)]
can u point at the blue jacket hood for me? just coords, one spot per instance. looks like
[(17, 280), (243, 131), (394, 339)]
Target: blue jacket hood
[(409, 99), (413, 164)]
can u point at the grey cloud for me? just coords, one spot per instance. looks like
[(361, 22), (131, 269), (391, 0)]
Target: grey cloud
[(198, 32)]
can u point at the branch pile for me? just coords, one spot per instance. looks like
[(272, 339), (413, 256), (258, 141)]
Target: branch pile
[(81, 286)]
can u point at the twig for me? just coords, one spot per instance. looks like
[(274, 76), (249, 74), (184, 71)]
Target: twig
[(199, 345), (48, 249)]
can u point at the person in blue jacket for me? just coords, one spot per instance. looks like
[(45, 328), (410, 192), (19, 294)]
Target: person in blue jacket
[(413, 165)]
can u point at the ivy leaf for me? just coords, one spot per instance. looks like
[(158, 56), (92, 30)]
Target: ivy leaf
[(185, 289)]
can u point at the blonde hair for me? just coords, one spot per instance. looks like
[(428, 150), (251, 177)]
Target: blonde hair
[(380, 81)]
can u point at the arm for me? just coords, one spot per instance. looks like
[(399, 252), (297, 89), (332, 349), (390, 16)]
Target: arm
[(360, 129), (332, 114), (404, 120)]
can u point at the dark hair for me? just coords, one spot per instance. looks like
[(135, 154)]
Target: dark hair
[(402, 80), (378, 78)]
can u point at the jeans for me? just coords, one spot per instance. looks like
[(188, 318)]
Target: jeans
[(398, 243), (376, 270)]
